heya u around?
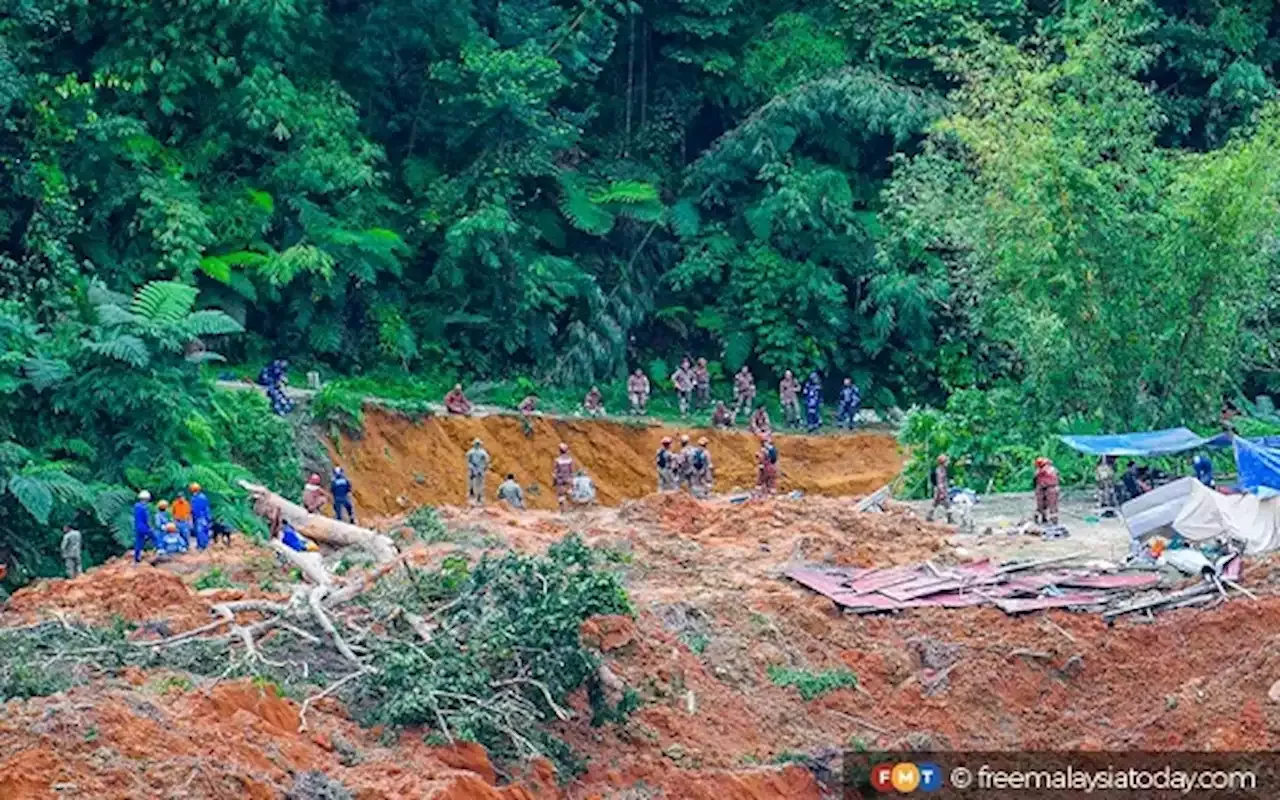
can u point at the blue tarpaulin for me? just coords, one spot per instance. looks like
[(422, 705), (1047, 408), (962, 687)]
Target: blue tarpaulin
[(1147, 443), (1257, 468)]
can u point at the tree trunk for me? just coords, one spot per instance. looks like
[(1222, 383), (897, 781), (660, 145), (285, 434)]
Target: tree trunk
[(321, 529)]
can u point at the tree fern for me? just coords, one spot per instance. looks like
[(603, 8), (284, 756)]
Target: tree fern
[(45, 373), (125, 347), (626, 193), (210, 322), (163, 302), (34, 495), (580, 210)]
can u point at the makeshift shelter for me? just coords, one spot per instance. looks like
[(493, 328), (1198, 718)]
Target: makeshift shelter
[(1254, 520), (1146, 443)]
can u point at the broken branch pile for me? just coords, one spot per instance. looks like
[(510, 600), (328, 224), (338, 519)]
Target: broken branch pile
[(1013, 588)]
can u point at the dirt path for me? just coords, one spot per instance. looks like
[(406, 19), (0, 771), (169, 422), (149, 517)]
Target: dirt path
[(397, 465)]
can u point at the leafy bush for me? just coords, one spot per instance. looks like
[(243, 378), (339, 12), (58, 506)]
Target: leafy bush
[(213, 578), (812, 684), (427, 524), (339, 408)]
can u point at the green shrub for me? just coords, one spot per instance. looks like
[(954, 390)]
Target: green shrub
[(339, 408), (213, 578), (812, 684)]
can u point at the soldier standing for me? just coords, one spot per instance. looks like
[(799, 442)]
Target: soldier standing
[(744, 391), (1106, 477), (813, 402), (789, 395), (683, 380), (477, 466), (941, 489), (1047, 482), (760, 422), (562, 475), (665, 461), (767, 467), (71, 550), (850, 401), (684, 469), (702, 382), (703, 475), (638, 391)]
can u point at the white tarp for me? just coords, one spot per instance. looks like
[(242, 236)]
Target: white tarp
[(1207, 514), (1157, 509)]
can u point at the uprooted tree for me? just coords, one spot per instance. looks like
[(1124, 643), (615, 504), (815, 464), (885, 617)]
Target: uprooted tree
[(486, 651)]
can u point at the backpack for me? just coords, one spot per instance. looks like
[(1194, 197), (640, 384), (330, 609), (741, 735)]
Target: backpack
[(699, 459), (664, 458), (773, 454)]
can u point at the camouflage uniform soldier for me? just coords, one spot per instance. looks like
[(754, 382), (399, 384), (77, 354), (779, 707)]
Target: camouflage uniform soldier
[(593, 404), (510, 492), (789, 395), (1047, 486), (760, 422), (562, 475), (721, 418), (702, 383), (477, 466), (767, 467), (665, 461), (744, 391), (684, 468), (941, 489), (683, 380), (702, 472), (638, 391)]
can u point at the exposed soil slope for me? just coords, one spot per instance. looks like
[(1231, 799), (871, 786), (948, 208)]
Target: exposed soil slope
[(397, 465)]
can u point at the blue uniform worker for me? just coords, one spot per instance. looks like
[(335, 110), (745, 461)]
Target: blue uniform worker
[(291, 539), (850, 402), (141, 524), (340, 489), (1204, 470), (813, 402), (201, 516)]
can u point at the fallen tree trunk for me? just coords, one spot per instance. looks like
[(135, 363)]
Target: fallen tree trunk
[(321, 529)]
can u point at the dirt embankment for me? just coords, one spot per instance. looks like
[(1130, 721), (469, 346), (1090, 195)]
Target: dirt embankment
[(397, 464)]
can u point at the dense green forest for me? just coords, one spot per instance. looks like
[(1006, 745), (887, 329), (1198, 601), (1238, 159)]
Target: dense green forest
[(1024, 214)]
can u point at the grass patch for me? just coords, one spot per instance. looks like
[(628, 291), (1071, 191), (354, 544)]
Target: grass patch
[(813, 684)]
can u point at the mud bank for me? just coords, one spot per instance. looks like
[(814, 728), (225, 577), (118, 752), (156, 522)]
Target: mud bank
[(398, 464)]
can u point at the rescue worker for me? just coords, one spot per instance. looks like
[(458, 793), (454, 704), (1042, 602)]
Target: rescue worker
[(1046, 485), (702, 472), (182, 517), (455, 402), (760, 422), (477, 466), (71, 550), (941, 489), (293, 540), (702, 383), (340, 490), (665, 461), (141, 524), (1105, 474), (313, 498), (510, 492), (789, 397), (721, 418), (162, 516), (584, 490), (744, 391), (684, 469), (813, 402), (593, 403), (273, 378), (528, 405), (850, 402), (638, 391), (562, 475), (174, 541), (201, 515), (1204, 469), (682, 379), (766, 467)]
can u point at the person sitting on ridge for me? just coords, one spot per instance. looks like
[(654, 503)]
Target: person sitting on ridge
[(760, 421), (455, 402), (721, 417), (593, 404)]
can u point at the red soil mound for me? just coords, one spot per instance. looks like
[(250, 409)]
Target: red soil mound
[(398, 464)]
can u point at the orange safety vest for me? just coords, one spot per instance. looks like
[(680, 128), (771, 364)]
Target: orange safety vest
[(182, 509)]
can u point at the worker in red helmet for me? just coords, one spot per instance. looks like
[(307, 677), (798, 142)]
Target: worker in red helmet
[(1047, 483), (665, 461), (562, 471), (313, 497)]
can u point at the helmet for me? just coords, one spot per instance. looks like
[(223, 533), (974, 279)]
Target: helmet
[(314, 479), (1041, 461), (194, 487), (162, 505), (170, 527), (338, 471), (564, 448), (666, 440), (703, 441), (942, 459), (475, 443), (684, 438), (144, 495)]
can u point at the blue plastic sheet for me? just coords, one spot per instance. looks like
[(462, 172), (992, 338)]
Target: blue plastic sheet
[(1147, 443), (1257, 468)]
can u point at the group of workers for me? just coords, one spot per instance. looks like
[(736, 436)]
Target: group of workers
[(1046, 482), (314, 498), (692, 382), (570, 482), (171, 526), (274, 377)]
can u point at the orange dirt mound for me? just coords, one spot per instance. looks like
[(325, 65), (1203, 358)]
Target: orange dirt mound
[(397, 464)]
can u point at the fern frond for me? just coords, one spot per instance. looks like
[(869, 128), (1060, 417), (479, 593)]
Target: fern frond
[(626, 193), (211, 322), (127, 348), (100, 295), (34, 495), (580, 210), (285, 266), (45, 373), (685, 219), (113, 316), (65, 487), (164, 302)]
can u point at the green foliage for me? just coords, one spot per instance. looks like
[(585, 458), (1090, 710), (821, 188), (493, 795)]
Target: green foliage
[(507, 629), (213, 578), (812, 684), (427, 524), (340, 407)]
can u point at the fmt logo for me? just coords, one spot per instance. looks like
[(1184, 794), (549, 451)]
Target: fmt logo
[(906, 777)]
